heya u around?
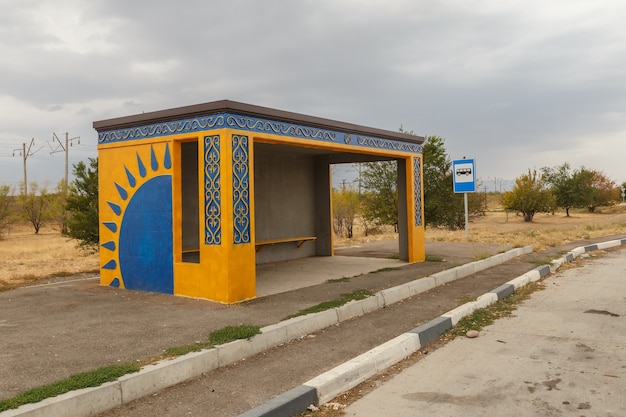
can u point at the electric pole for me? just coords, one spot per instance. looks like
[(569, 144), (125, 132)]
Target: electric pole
[(25, 153), (64, 148)]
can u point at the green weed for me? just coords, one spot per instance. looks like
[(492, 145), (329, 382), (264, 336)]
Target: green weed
[(231, 333), (78, 381), (327, 305), (486, 316), (434, 258), (481, 256), (385, 270), (338, 280), (541, 262)]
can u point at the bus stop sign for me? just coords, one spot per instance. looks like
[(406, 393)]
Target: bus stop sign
[(464, 176)]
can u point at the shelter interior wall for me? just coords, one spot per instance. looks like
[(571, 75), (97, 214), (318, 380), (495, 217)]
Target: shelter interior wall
[(285, 206), (190, 195)]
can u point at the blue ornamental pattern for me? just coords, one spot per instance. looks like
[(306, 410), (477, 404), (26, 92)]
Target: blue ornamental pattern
[(212, 191), (241, 190), (174, 127), (417, 190), (279, 128), (395, 145), (252, 124)]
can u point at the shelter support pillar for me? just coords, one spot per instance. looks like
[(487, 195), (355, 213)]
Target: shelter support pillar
[(411, 210), (323, 208)]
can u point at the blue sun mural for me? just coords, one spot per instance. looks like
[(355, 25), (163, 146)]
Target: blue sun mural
[(139, 255)]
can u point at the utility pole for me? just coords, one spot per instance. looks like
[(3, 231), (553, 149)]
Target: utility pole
[(25, 153), (64, 148)]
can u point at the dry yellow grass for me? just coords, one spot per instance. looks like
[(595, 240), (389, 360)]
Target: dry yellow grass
[(546, 230), (26, 257)]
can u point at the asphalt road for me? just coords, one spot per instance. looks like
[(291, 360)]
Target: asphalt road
[(562, 354)]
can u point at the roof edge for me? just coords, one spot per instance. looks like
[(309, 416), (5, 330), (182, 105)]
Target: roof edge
[(221, 106)]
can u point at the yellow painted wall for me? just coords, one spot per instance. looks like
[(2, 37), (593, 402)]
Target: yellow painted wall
[(227, 272), (123, 170)]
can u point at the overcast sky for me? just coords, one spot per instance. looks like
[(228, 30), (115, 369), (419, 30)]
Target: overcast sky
[(513, 84)]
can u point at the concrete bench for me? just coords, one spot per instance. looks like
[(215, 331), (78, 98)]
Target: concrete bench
[(299, 241)]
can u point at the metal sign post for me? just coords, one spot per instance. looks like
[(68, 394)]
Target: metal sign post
[(464, 175)]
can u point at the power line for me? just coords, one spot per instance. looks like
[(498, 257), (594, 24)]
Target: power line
[(64, 148), (25, 153)]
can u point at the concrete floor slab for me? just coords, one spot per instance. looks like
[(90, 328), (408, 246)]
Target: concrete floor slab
[(279, 277)]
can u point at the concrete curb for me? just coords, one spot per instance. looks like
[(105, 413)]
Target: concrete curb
[(349, 374), (153, 378), (287, 404)]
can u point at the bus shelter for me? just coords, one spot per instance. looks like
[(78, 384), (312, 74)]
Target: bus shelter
[(191, 199)]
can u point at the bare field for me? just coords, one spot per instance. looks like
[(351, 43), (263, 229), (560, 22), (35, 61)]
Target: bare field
[(26, 258), (546, 230)]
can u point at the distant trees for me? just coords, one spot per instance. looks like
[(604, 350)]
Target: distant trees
[(37, 206), (442, 206), (74, 208), (346, 207), (5, 206), (438, 194), (379, 181), (605, 191), (530, 195), (581, 188)]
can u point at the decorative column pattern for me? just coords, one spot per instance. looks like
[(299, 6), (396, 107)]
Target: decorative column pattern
[(417, 190), (212, 191), (241, 190)]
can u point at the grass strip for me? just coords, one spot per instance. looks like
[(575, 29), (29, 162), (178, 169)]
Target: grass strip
[(216, 337), (338, 280), (541, 262), (487, 315), (327, 305), (111, 373), (232, 333), (185, 349), (74, 382), (386, 269)]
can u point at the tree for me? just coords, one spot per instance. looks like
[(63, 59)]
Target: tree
[(5, 206), (582, 188), (442, 206), (563, 186), (530, 195), (82, 203), (36, 206), (346, 207), (57, 205), (438, 194), (379, 181), (602, 190)]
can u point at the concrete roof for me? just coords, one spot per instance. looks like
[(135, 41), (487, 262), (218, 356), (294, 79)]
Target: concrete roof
[(228, 106)]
